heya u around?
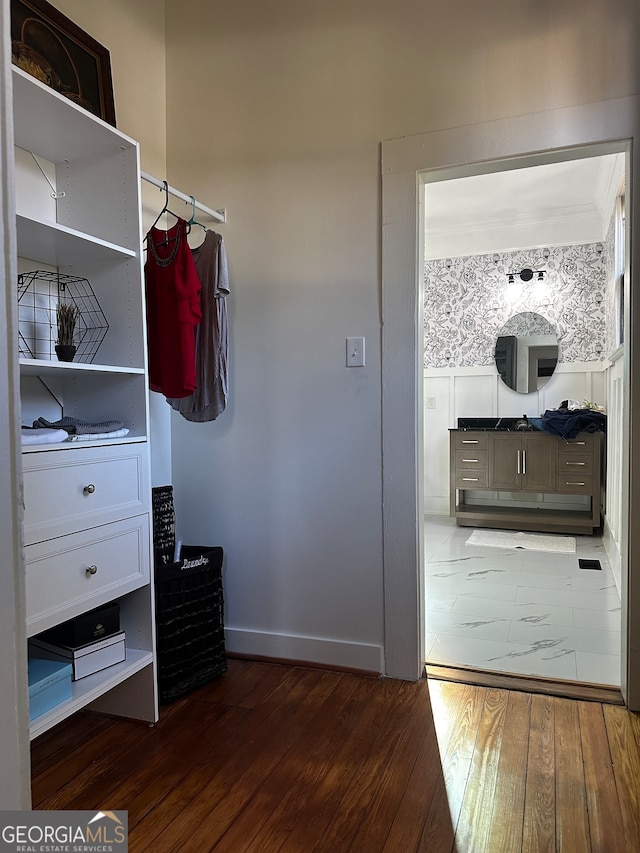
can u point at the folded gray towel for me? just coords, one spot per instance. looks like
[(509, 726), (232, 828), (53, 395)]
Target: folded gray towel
[(74, 426)]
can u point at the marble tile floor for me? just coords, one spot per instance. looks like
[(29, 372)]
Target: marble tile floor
[(517, 611)]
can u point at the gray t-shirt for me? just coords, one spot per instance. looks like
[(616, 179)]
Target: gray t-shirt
[(212, 336)]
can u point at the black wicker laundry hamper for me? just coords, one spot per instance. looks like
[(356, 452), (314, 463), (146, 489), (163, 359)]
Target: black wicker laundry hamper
[(189, 611)]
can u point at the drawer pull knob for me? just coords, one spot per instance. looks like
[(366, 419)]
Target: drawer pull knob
[(470, 479), (89, 490), (91, 570), (471, 460), (470, 441), (575, 463), (575, 484)]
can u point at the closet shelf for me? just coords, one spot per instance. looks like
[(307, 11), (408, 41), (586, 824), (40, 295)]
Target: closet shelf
[(58, 245), (83, 445), (41, 367), (92, 687), (68, 134)]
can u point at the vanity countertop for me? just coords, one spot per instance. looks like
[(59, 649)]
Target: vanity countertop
[(492, 425)]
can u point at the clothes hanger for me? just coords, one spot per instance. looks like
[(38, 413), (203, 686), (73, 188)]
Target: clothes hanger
[(165, 209), (193, 220)]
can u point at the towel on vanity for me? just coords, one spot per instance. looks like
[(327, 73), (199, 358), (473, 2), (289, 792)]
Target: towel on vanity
[(568, 423)]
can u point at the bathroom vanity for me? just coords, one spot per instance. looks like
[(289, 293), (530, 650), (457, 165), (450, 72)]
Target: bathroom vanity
[(506, 478)]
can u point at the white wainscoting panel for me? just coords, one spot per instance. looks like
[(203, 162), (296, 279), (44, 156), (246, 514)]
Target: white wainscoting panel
[(437, 417), (615, 499), (473, 392)]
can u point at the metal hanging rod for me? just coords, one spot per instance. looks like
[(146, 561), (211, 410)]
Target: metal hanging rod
[(218, 215)]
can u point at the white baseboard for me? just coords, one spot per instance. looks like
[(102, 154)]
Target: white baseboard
[(335, 653)]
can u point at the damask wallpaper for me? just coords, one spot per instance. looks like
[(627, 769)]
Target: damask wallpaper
[(468, 300)]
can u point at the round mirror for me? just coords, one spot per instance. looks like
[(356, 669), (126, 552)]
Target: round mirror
[(526, 352)]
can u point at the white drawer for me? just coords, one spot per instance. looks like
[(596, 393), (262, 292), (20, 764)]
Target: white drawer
[(69, 490), (60, 577)]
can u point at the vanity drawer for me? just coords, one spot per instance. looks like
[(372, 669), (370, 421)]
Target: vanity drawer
[(575, 463), (60, 577), (575, 484), (471, 459), (470, 440), (466, 479), (69, 490), (582, 443)]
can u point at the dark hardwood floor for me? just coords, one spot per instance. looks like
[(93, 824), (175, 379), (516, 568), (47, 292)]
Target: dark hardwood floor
[(273, 758)]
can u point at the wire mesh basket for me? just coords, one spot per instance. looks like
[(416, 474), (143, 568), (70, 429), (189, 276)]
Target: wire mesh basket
[(39, 294)]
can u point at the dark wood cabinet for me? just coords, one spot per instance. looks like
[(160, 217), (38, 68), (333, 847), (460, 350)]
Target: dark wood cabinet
[(522, 462), (496, 465)]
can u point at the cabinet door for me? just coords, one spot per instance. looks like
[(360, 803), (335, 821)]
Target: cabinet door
[(505, 461), (539, 463)]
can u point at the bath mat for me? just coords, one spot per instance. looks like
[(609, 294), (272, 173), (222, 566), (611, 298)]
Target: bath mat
[(527, 541)]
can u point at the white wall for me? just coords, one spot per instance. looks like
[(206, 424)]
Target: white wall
[(292, 101)]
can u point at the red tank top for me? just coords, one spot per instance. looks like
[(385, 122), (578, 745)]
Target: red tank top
[(173, 311)]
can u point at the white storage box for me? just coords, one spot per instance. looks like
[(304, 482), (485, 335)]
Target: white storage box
[(86, 659)]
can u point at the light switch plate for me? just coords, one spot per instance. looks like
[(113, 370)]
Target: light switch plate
[(355, 352)]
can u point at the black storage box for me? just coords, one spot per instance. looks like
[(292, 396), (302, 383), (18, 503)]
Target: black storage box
[(88, 627), (189, 621), (164, 525)]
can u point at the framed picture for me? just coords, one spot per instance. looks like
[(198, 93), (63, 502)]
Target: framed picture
[(50, 47)]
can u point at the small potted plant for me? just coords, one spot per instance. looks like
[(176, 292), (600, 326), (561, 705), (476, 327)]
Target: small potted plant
[(66, 318)]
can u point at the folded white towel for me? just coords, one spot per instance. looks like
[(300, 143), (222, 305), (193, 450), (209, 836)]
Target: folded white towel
[(93, 436), (43, 436)]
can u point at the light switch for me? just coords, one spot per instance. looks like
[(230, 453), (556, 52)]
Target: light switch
[(355, 352)]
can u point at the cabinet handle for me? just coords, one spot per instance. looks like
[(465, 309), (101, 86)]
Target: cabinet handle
[(567, 483), (470, 479), (577, 442), (89, 490), (524, 461), (471, 460), (575, 463), (470, 441), (518, 461), (91, 570)]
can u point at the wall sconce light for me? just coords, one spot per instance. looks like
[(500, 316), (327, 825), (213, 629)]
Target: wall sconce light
[(526, 275)]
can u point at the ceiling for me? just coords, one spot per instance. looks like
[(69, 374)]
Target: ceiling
[(552, 204)]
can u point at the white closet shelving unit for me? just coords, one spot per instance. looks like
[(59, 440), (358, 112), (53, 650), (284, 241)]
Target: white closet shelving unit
[(87, 504)]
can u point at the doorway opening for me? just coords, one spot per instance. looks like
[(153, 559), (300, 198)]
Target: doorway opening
[(508, 610)]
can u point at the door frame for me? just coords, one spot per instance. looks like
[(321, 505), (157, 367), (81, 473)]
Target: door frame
[(407, 164)]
